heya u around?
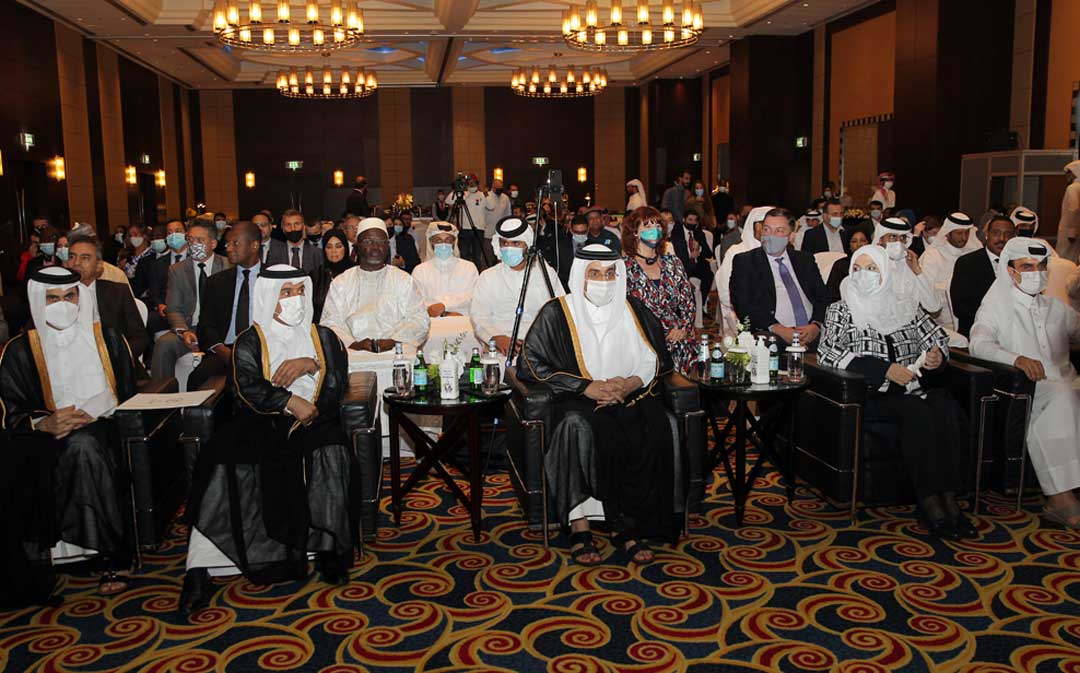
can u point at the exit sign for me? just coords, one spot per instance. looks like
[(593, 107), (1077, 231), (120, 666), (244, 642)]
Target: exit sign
[(294, 165), (540, 161)]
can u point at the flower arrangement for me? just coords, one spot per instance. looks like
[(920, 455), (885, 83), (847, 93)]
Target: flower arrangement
[(403, 202), (855, 214)]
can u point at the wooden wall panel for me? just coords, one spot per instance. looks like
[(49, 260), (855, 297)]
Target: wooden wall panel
[(71, 73)]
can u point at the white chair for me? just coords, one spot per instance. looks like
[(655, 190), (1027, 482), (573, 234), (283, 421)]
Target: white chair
[(825, 261), (184, 366), (143, 311)]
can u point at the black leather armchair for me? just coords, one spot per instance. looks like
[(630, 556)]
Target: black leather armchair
[(1006, 460), (156, 465), (530, 414), (361, 419), (849, 460), (197, 423)]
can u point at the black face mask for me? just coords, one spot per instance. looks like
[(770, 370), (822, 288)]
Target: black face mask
[(294, 236), (499, 191), (690, 225), (314, 238)]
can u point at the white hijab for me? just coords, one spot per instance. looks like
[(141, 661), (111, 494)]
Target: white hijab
[(76, 373), (285, 342), (611, 344), (956, 222), (880, 309)]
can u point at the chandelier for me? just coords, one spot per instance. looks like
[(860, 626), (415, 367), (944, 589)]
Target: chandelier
[(528, 82), (582, 30), (288, 34), (350, 84)]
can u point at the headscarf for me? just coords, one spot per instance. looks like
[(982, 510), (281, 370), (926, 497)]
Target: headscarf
[(956, 222), (639, 199), (76, 373), (756, 215), (345, 263), (610, 342), (881, 309), (905, 284), (1074, 168), (511, 228), (1017, 247), (285, 342), (1026, 219), (892, 225), (439, 227)]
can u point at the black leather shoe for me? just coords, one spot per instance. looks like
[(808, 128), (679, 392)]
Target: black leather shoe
[(332, 569), (935, 519), (960, 523), (196, 592)]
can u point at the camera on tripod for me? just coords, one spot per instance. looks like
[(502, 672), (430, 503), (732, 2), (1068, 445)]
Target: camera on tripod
[(460, 183)]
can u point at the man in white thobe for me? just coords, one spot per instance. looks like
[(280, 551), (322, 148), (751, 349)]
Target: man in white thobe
[(1018, 325), (1069, 225), (955, 239), (374, 305), (497, 290), (445, 281), (884, 191), (751, 240)]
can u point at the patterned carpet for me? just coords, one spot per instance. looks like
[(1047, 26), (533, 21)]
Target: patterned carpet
[(796, 589)]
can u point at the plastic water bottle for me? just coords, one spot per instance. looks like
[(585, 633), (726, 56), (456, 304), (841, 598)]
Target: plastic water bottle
[(796, 353), (703, 364), (402, 372), (492, 372)]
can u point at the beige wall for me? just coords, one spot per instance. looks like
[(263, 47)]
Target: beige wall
[(112, 139), (720, 115), (76, 127), (469, 146), (609, 148), (219, 151), (169, 159), (1063, 71), (817, 135), (395, 143)]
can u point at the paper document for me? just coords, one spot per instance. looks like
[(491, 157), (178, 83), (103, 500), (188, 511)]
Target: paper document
[(147, 401)]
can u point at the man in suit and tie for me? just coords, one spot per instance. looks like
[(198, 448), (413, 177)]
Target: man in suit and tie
[(778, 287), (975, 272), (266, 228), (692, 249), (225, 310), (351, 226), (294, 250), (183, 299), (156, 272), (830, 236)]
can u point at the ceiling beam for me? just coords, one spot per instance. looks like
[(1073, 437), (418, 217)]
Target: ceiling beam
[(455, 14), (449, 60)]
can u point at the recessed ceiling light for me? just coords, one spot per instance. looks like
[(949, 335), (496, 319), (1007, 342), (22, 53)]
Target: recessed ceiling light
[(768, 23), (707, 52)]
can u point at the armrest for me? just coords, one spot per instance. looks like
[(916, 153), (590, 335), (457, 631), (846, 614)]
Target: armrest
[(535, 401), (199, 421), (681, 394), (360, 404), (838, 385), (1007, 378), (965, 379)]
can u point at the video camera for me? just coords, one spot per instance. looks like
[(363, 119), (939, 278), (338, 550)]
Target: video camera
[(554, 182), (460, 183)]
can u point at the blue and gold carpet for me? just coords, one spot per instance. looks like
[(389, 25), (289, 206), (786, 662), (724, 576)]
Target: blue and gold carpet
[(796, 589)]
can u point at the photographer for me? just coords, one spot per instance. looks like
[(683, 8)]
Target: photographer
[(471, 220)]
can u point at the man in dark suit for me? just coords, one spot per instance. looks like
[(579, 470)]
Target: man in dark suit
[(569, 245), (357, 203), (692, 249), (182, 300), (830, 236), (114, 304), (778, 287), (975, 272), (225, 309), (295, 251)]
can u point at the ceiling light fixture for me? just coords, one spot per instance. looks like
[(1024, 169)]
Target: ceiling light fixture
[(351, 83), (574, 83), (288, 34), (632, 32)]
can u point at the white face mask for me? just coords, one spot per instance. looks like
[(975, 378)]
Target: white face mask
[(866, 281), (875, 214), (723, 190), (513, 193), (698, 191), (731, 224), (1032, 282), (291, 310), (929, 240), (895, 250), (472, 190), (135, 241), (61, 314), (828, 194), (600, 292)]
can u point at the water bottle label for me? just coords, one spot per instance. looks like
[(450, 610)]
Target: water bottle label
[(420, 377), (476, 376), (774, 362), (716, 370)]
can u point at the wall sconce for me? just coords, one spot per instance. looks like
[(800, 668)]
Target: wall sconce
[(249, 180), (159, 178), (497, 174), (1, 164), (129, 176), (56, 169), (339, 178), (582, 174)]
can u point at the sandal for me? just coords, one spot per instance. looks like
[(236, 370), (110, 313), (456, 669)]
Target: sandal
[(588, 546), (631, 547), (111, 583), (1067, 516)]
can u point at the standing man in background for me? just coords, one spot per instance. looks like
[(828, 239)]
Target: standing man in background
[(497, 205), (357, 203), (675, 196), (1069, 226), (471, 223)]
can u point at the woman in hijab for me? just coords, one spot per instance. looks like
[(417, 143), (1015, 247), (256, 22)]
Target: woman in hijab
[(273, 485), (335, 262), (898, 349), (611, 452)]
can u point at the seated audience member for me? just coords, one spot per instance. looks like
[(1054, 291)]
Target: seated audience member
[(568, 247), (909, 283), (111, 302), (32, 251), (374, 305), (811, 220), (225, 302), (1026, 222), (109, 272), (402, 246), (730, 237), (611, 451), (637, 198), (658, 281), (975, 272), (336, 261), (955, 239), (157, 283), (877, 212), (831, 236), (779, 288), (138, 247), (446, 282), (692, 248), (897, 348), (751, 240), (284, 461), (48, 243), (313, 233), (294, 250), (1018, 325), (147, 285), (58, 381), (351, 226), (594, 218), (498, 288), (266, 230), (839, 270), (184, 298)]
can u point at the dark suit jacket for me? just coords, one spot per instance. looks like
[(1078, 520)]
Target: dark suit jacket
[(815, 241), (699, 269), (116, 308), (215, 314), (180, 297), (837, 274), (753, 292), (406, 249), (357, 204), (972, 278), (310, 259)]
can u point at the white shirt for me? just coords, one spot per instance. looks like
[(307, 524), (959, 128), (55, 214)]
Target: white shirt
[(1036, 327), (450, 283), (90, 292), (195, 272), (496, 296), (383, 304), (474, 203), (496, 207), (886, 196), (785, 312), (836, 242)]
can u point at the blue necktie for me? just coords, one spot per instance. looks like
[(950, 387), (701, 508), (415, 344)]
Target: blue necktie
[(792, 293)]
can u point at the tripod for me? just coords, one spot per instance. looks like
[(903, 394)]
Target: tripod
[(477, 255), (531, 256)]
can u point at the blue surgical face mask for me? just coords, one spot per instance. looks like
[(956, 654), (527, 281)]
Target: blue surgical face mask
[(176, 241), (48, 249), (398, 229), (444, 250), (579, 238), (774, 245), (158, 245), (835, 222), (511, 256), (698, 191), (62, 253), (650, 235)]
